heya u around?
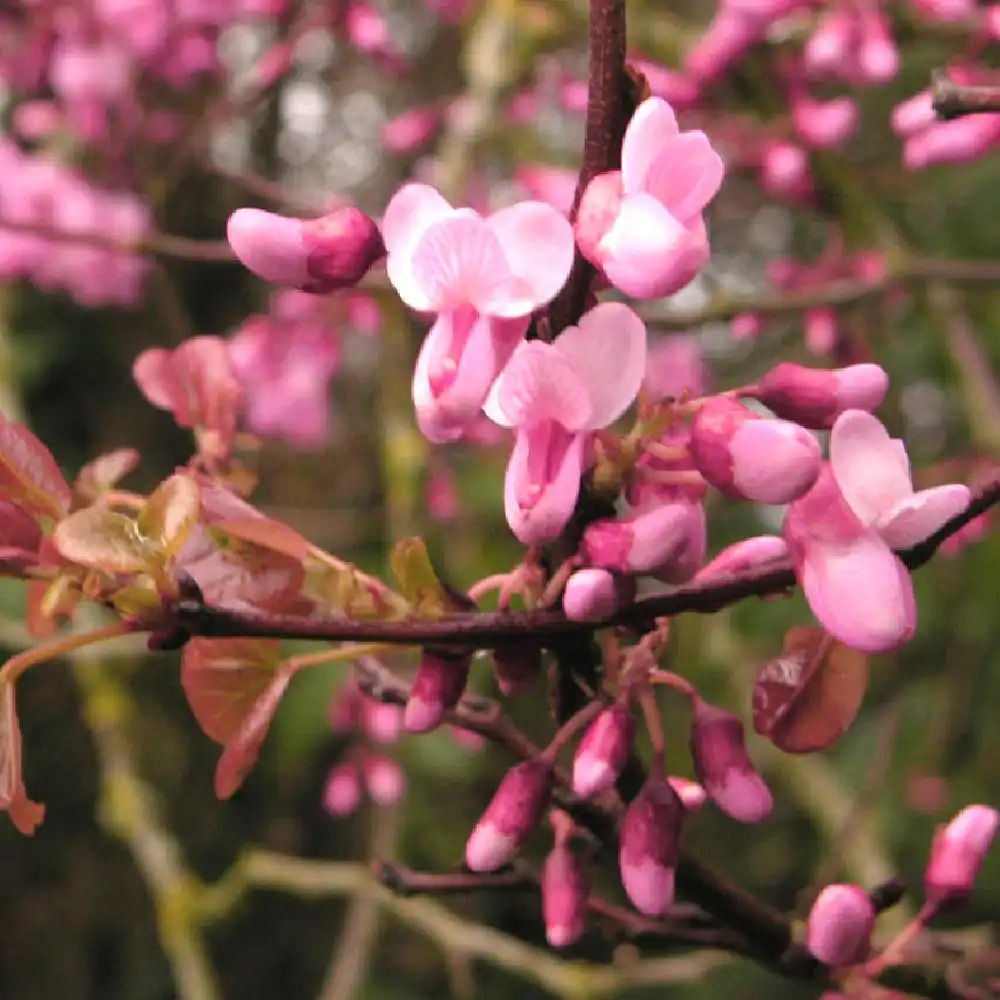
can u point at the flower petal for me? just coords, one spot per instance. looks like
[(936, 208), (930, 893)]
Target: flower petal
[(538, 244), (861, 592), (653, 123), (919, 516), (686, 175), (540, 384), (538, 506), (866, 464), (608, 353), (648, 253), (459, 260), (411, 210)]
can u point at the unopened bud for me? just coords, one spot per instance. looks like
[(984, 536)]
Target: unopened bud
[(649, 843), (840, 925), (516, 666), (822, 330), (438, 685), (594, 594), (640, 542), (342, 791), (384, 780), (815, 397), (315, 255), (603, 750), (957, 854), (752, 553), (382, 721), (515, 809), (689, 792), (564, 897), (723, 765), (750, 458)]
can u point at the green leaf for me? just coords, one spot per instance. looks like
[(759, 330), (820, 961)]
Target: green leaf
[(418, 583)]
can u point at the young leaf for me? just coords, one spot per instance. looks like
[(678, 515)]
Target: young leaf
[(29, 474), (104, 472), (418, 583), (223, 678), (169, 514), (267, 534), (102, 539), (805, 699), (25, 814)]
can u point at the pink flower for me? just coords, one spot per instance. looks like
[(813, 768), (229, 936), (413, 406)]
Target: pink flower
[(824, 124), (872, 473), (840, 925), (552, 395), (958, 852), (642, 225), (483, 278)]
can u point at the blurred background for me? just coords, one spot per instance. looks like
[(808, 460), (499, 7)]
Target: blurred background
[(131, 130)]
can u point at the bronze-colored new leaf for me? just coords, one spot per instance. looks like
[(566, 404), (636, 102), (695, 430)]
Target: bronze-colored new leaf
[(102, 539), (100, 475), (418, 582), (169, 514), (805, 699), (29, 474)]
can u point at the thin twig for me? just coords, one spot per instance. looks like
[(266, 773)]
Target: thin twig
[(955, 100)]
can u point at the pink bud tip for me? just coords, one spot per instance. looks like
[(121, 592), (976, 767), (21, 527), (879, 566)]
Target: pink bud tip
[(515, 809), (758, 552), (342, 791), (591, 595), (958, 852), (840, 925), (723, 765), (440, 681), (564, 897), (815, 397), (269, 245), (384, 780), (649, 842), (603, 750)]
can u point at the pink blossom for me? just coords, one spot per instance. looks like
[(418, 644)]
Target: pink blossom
[(603, 750), (815, 397), (958, 852), (554, 185), (483, 278), (674, 368), (840, 925), (824, 124), (594, 594), (642, 225), (553, 395), (756, 553), (872, 472), (564, 897)]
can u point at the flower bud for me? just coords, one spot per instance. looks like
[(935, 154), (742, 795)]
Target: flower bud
[(603, 750), (564, 897), (593, 594), (691, 794), (516, 666), (752, 553), (516, 807), (649, 842), (384, 779), (957, 854), (750, 458), (822, 330), (639, 542), (315, 255), (840, 925), (784, 170), (723, 765), (440, 681), (825, 124), (381, 720), (342, 791), (815, 397)]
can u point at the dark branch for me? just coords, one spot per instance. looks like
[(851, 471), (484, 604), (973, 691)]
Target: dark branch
[(485, 629), (955, 100)]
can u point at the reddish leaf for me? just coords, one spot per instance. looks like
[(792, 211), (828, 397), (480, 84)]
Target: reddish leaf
[(242, 750), (104, 472), (25, 814), (28, 472), (805, 699), (224, 678), (267, 534), (102, 539), (169, 514)]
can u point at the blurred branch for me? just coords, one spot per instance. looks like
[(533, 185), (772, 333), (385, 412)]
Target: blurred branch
[(955, 100), (454, 933), (486, 628)]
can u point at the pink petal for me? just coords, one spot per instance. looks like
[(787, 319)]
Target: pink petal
[(540, 384), (411, 210), (866, 466), (538, 244), (860, 592), (648, 253), (686, 175), (460, 260), (543, 482), (269, 245), (919, 516), (653, 123), (475, 348), (608, 353)]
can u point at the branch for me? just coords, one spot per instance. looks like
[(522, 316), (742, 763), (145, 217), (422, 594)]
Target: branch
[(955, 100), (488, 628)]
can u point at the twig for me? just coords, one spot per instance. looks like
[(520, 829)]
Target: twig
[(487, 628), (955, 100)]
